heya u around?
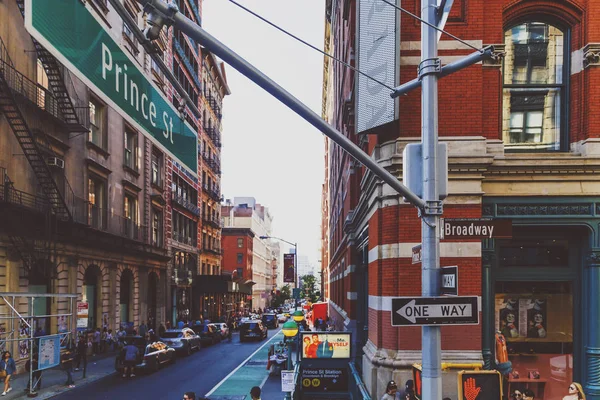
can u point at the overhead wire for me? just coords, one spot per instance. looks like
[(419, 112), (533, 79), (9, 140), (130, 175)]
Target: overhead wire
[(310, 45)]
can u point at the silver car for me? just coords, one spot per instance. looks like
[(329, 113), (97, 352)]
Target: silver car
[(223, 328), (182, 340)]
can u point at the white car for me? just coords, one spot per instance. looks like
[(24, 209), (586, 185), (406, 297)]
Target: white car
[(282, 317)]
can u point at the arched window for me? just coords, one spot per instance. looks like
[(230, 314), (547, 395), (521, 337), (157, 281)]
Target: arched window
[(535, 75)]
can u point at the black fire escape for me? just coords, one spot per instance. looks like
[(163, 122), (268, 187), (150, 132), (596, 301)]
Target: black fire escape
[(18, 91)]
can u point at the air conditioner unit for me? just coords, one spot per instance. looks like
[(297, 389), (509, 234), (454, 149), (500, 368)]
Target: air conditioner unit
[(56, 162)]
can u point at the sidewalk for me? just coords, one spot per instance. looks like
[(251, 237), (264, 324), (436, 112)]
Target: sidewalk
[(53, 380)]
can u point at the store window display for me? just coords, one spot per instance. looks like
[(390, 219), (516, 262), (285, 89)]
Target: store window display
[(536, 318)]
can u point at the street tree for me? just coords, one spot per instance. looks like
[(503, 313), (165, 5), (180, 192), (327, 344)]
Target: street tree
[(309, 286)]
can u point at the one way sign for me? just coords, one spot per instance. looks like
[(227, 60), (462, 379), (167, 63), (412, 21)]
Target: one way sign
[(411, 311)]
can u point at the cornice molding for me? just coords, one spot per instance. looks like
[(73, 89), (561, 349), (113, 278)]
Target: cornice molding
[(591, 55)]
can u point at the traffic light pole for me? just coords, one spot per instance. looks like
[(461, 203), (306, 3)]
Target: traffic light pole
[(429, 70)]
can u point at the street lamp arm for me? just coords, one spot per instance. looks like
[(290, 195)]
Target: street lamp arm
[(278, 238)]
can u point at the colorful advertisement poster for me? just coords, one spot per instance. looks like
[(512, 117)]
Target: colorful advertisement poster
[(532, 316), (62, 324), (82, 314), (325, 345), (507, 317), (288, 268), (24, 345), (49, 352)]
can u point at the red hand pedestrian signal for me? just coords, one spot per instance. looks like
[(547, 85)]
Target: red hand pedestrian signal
[(418, 384), (471, 390)]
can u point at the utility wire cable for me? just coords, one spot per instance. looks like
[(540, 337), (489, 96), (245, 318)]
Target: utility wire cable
[(310, 45), (430, 25)]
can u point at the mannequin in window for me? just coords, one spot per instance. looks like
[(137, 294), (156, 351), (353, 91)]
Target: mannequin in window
[(509, 324), (536, 324)]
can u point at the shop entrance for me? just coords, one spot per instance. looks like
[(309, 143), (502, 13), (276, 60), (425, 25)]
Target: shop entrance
[(536, 307)]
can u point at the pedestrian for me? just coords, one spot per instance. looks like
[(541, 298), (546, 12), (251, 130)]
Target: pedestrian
[(161, 330), (67, 364), (131, 355), (189, 396), (255, 393), (390, 391), (96, 342), (180, 324), (8, 368), (528, 394), (143, 329), (230, 329), (168, 325), (575, 392), (110, 340), (409, 391), (103, 335), (81, 354), (152, 336), (36, 376)]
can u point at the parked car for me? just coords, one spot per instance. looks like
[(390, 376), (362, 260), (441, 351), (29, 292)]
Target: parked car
[(209, 333), (224, 329), (182, 340), (282, 317), (270, 321), (151, 356), (253, 329)]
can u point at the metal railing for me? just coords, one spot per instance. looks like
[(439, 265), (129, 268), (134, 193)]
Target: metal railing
[(185, 203), (213, 135), (357, 387), (179, 237), (8, 194), (212, 193), (213, 220)]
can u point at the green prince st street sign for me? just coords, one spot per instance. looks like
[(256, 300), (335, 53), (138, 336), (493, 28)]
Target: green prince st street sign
[(77, 38)]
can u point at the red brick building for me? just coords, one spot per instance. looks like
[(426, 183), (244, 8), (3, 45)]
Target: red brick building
[(522, 146)]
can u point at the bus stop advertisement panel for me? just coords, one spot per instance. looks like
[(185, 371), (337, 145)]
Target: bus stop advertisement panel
[(324, 365)]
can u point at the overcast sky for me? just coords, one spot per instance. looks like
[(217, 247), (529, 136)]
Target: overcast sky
[(269, 152)]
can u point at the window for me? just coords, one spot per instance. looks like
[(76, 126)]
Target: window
[(534, 85), (96, 134), (131, 150), (184, 229), (156, 168), (157, 227), (240, 258), (240, 243), (130, 217), (96, 203)]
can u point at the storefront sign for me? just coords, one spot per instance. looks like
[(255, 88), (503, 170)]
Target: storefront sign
[(325, 345), (72, 32), (288, 268), (479, 385), (477, 228), (287, 381), (82, 314), (324, 380), (49, 352), (410, 311), (449, 283), (416, 254)]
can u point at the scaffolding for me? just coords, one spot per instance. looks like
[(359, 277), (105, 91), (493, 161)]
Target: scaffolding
[(17, 329)]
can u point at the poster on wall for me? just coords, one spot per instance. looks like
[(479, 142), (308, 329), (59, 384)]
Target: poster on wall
[(325, 345), (82, 314), (533, 318), (24, 332), (49, 352), (507, 317), (62, 324), (105, 320), (288, 268)]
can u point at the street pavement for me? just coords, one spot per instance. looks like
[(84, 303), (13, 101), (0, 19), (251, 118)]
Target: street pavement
[(224, 371)]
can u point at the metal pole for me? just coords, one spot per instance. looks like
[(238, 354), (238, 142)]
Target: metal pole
[(195, 32), (296, 271), (431, 338), (290, 366)]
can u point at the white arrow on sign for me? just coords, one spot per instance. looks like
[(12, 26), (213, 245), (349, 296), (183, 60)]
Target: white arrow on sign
[(411, 311)]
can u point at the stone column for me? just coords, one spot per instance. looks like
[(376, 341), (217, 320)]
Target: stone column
[(591, 304)]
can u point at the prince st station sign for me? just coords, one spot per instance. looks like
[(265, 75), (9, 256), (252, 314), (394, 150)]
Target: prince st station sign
[(73, 33)]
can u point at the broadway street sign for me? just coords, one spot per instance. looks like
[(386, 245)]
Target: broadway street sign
[(77, 38), (476, 228), (411, 311)]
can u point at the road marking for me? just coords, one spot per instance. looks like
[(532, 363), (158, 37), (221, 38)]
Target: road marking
[(214, 389)]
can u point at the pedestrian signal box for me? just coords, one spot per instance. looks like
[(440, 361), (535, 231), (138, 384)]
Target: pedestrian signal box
[(418, 381), (479, 385)]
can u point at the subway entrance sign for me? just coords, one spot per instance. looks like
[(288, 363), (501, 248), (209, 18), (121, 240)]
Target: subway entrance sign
[(73, 33)]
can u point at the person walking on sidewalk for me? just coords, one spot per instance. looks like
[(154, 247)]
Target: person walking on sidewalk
[(255, 393), (142, 329), (189, 396), (131, 355), (67, 364), (7, 365), (82, 347), (96, 342), (36, 376)]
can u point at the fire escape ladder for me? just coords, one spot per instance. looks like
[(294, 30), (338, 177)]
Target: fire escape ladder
[(25, 137), (76, 118)]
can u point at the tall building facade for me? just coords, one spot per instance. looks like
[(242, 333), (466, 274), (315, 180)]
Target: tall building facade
[(522, 147), (89, 204), (245, 212)]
